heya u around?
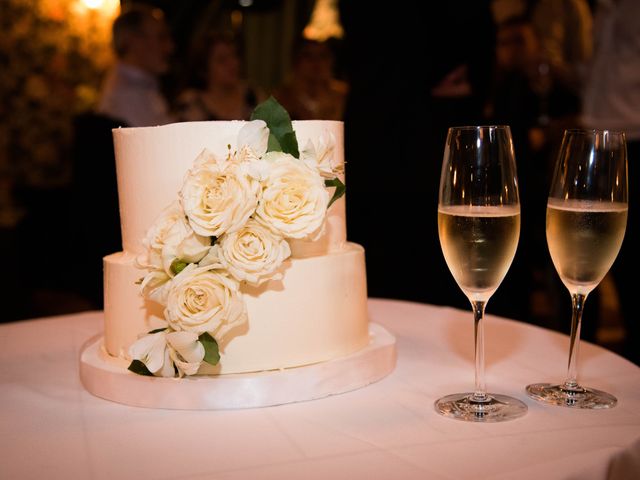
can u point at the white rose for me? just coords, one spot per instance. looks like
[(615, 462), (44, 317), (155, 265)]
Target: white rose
[(161, 351), (170, 238), (218, 196), (203, 300), (253, 253), (156, 235), (182, 243), (294, 199), (320, 157)]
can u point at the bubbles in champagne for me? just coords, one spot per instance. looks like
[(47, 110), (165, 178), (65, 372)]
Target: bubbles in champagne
[(479, 244), (584, 238)]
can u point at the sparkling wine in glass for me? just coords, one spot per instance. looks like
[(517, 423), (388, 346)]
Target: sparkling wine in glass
[(479, 227), (586, 221)]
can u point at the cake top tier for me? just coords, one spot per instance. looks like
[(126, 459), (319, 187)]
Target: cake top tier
[(152, 162)]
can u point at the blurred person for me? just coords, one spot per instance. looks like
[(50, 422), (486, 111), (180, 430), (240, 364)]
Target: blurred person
[(412, 74), (564, 28), (612, 102), (520, 101), (130, 97), (522, 70), (220, 92), (312, 92), (530, 98), (143, 47)]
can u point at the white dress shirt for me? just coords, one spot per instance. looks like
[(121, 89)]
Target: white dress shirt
[(133, 96), (612, 94)]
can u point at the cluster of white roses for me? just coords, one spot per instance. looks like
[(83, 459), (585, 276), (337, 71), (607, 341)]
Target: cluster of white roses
[(230, 225)]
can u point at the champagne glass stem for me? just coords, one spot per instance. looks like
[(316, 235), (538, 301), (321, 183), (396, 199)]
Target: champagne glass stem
[(480, 393), (577, 301)]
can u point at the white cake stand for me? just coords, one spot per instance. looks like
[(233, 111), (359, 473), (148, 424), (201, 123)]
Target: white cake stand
[(106, 379)]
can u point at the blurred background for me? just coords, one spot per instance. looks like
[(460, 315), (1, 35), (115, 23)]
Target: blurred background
[(398, 73)]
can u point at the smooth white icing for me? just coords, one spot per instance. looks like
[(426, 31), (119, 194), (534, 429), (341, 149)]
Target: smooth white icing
[(317, 312)]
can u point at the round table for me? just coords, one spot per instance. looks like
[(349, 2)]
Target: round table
[(52, 428)]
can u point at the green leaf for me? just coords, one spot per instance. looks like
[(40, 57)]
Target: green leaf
[(340, 189), (273, 145), (157, 330), (178, 265), (211, 351), (140, 368), (280, 127), (289, 144)]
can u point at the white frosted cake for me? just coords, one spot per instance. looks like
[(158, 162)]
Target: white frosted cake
[(308, 305)]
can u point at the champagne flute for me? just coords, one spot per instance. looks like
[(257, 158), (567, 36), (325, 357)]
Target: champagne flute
[(479, 227), (586, 220)]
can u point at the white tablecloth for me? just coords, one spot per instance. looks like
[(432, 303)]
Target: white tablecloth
[(52, 428)]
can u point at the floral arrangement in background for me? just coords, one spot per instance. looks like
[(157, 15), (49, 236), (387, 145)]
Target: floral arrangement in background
[(53, 54), (229, 225)]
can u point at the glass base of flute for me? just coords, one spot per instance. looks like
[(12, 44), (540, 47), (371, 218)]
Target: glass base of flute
[(571, 396), (570, 393), (490, 408)]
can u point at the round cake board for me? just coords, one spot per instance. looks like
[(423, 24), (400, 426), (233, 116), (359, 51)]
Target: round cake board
[(103, 378)]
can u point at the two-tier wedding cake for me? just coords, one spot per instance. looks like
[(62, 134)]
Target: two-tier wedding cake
[(235, 256)]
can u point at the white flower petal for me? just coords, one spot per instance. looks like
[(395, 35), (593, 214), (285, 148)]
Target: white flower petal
[(320, 157), (150, 350), (167, 369), (308, 154), (182, 243), (155, 357), (159, 295), (184, 368), (139, 349), (187, 345), (258, 169), (254, 135), (206, 157), (152, 282), (211, 259)]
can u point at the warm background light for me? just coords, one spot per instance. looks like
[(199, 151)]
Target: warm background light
[(56, 52), (106, 7), (93, 4), (325, 21)]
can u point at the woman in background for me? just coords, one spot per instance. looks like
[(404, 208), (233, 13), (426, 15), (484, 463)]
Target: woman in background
[(312, 92), (220, 92)]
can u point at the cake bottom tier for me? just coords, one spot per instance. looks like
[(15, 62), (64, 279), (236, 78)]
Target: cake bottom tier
[(317, 312)]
